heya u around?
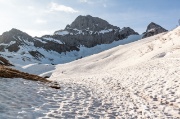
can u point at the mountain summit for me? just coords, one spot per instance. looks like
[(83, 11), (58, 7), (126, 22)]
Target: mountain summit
[(90, 23), (153, 29), (91, 31)]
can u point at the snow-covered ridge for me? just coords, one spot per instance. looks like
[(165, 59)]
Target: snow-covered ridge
[(52, 39), (62, 33), (40, 40), (11, 43)]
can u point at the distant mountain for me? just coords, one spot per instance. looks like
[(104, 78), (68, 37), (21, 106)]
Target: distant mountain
[(18, 41), (153, 29), (91, 31), (83, 32)]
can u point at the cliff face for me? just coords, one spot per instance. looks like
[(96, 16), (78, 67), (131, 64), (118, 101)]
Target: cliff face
[(91, 31)]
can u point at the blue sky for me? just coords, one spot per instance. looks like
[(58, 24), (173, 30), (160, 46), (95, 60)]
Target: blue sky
[(39, 17)]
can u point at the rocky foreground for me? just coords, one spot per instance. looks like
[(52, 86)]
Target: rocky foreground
[(7, 72)]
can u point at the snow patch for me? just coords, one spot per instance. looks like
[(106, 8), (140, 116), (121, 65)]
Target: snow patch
[(9, 44), (53, 40), (40, 40), (62, 33), (106, 31)]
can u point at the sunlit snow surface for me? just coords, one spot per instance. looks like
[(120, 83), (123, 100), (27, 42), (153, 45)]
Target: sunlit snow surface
[(29, 100), (142, 77)]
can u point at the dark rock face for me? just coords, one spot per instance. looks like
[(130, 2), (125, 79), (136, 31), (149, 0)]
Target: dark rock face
[(4, 62), (153, 29), (15, 39), (90, 23), (13, 35), (91, 31), (12, 40)]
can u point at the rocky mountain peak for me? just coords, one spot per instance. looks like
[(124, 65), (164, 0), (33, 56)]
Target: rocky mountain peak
[(153, 29), (90, 31), (13, 39), (90, 23), (13, 35), (14, 31), (151, 26)]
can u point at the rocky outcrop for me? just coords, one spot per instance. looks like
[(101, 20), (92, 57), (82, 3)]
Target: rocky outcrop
[(6, 72), (4, 62), (153, 29)]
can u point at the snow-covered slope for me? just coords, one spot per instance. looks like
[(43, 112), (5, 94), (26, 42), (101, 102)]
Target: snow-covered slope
[(23, 60), (142, 77), (22, 56)]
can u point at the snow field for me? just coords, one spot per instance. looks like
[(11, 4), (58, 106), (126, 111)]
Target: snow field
[(32, 100), (142, 77)]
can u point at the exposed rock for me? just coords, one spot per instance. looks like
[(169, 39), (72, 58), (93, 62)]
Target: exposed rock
[(153, 29), (36, 54), (4, 62), (14, 40), (125, 32), (6, 72), (91, 31), (90, 23)]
